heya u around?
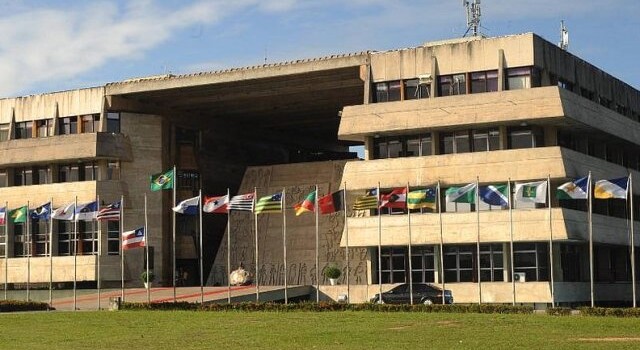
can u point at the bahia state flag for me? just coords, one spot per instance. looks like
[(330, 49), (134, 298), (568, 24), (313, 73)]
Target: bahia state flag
[(133, 239), (269, 204), (425, 198), (531, 192), (331, 203), (464, 194), (215, 205), (188, 206), (573, 189), (614, 188), (397, 198), (368, 201), (163, 181), (3, 215), (19, 215), (495, 195), (307, 205)]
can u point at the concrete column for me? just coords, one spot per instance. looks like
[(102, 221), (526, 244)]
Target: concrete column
[(369, 150), (365, 75), (550, 136), (12, 125), (434, 76), (103, 113), (504, 138), (435, 143), (501, 70)]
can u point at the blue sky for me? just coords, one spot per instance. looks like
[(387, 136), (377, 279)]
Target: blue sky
[(58, 45)]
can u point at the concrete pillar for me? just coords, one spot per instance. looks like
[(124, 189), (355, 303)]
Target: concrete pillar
[(550, 136), (369, 150), (501, 70), (12, 125), (434, 76), (56, 121), (365, 75), (435, 143), (504, 138), (103, 113)]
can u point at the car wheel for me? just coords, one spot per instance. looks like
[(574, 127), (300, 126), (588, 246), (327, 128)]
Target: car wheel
[(427, 302)]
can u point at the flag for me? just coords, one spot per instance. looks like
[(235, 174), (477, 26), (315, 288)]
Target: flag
[(3, 215), (19, 215), (242, 202), (216, 205), (614, 188), (64, 213), (307, 205), (188, 206), (269, 204), (42, 212), (331, 203), (425, 198), (495, 195), (86, 211), (163, 181), (109, 213), (368, 201), (573, 189), (133, 239), (397, 198), (464, 194), (531, 192)]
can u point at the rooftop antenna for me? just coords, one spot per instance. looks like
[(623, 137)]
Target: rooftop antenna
[(473, 17), (564, 36)]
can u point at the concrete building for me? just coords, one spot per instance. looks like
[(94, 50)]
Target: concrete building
[(488, 109)]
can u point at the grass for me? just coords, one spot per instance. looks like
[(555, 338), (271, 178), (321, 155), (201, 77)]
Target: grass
[(137, 330)]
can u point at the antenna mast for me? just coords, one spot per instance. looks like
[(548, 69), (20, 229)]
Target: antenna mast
[(473, 17), (564, 36)]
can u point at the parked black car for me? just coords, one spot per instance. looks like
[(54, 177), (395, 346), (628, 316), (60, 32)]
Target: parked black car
[(422, 293)]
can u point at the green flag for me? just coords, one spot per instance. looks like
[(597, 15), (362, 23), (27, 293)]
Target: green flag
[(269, 204), (425, 198), (18, 215), (163, 181), (464, 194)]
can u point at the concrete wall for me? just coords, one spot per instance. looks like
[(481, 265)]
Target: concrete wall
[(56, 104)]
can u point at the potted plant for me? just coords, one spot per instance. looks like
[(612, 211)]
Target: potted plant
[(332, 272), (147, 279)]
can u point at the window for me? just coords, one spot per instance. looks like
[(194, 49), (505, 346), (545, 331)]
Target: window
[(452, 85), (414, 90), (393, 265), (484, 81), (68, 173), (20, 240), (87, 238), (570, 257), (90, 123), (423, 264), (402, 146), (455, 142), (4, 132), (426, 147), (3, 241), (113, 170), (68, 125), (24, 130), (113, 237), (113, 122), (41, 175), (491, 263), (40, 234), (44, 127), (532, 259), (525, 137), (486, 140), (23, 177), (388, 91), (65, 237), (459, 263), (522, 78), (90, 172), (3, 178)]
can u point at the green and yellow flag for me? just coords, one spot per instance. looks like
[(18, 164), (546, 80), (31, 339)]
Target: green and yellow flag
[(269, 204), (19, 215), (163, 181), (368, 201), (425, 198)]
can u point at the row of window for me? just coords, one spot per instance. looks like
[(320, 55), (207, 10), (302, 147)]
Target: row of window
[(462, 141), (40, 175), (89, 123), (37, 243), (611, 149)]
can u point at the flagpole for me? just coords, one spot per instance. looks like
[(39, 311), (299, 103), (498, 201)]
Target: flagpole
[(410, 264), (201, 259), (75, 253), (590, 229), (29, 252), (255, 221), (379, 244), (441, 243), (551, 269), (346, 232), (95, 222), (633, 245), (121, 229), (146, 247), (50, 251), (228, 248), (513, 280), (6, 249), (317, 209), (478, 238), (173, 219), (284, 243)]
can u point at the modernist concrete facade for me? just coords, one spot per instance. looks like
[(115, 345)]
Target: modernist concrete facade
[(477, 109)]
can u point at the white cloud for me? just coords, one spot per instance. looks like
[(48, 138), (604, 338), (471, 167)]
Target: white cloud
[(50, 44)]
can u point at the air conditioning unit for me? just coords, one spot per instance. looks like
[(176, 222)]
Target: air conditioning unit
[(425, 79), (520, 277)]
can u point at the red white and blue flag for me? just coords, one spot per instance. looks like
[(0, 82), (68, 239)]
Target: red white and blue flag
[(216, 205), (3, 215), (110, 213), (133, 239)]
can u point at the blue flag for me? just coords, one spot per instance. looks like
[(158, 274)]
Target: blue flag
[(42, 212), (495, 195)]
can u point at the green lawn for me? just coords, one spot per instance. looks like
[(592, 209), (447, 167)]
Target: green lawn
[(136, 330)]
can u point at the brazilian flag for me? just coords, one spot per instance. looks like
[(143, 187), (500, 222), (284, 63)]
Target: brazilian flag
[(162, 181), (18, 215)]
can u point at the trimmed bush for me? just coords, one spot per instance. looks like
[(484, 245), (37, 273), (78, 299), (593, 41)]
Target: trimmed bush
[(18, 305), (609, 311), (559, 311)]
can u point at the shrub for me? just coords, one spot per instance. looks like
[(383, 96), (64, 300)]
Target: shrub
[(143, 276), (17, 305), (558, 311), (332, 271)]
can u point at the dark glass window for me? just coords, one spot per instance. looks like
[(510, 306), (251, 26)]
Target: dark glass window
[(459, 264), (486, 140), (68, 173), (484, 81), (113, 122), (414, 90), (388, 91), (68, 125), (90, 123), (532, 259), (525, 137), (522, 78), (393, 267), (113, 237), (423, 264), (24, 130), (449, 85), (4, 132), (44, 127), (23, 177)]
